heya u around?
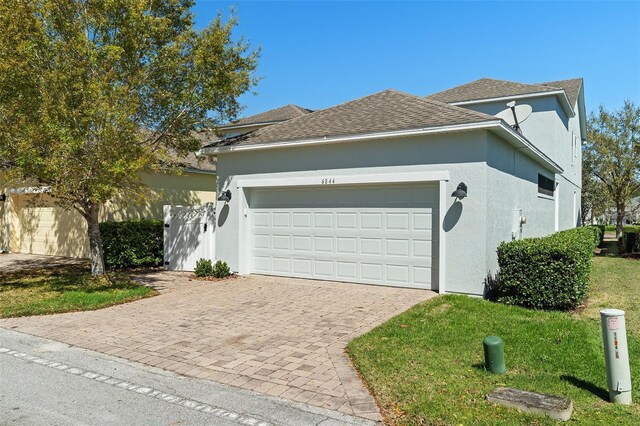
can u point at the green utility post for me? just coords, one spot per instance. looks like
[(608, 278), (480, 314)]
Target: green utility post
[(494, 354)]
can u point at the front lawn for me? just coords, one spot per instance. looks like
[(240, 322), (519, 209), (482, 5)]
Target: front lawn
[(56, 290), (615, 283), (425, 366)]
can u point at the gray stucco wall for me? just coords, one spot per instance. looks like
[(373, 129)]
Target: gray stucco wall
[(512, 179), (499, 178), (462, 154), (552, 131)]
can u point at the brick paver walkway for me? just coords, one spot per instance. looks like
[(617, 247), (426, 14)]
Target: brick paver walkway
[(279, 336)]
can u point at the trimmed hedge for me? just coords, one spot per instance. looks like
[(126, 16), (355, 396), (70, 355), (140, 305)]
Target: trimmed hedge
[(598, 233), (549, 272), (132, 243), (631, 239)]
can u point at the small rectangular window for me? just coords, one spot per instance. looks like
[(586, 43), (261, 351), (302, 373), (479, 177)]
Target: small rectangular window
[(546, 186)]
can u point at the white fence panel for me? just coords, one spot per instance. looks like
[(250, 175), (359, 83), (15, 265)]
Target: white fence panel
[(189, 235)]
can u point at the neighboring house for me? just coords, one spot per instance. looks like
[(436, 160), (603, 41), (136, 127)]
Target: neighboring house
[(631, 214), (362, 192), (255, 122), (31, 222)]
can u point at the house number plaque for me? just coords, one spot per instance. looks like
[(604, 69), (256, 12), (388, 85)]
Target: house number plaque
[(326, 181)]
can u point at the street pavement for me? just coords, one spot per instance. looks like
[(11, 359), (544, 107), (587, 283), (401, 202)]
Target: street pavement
[(43, 382)]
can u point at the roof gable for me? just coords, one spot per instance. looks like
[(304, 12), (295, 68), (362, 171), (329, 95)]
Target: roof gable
[(283, 113), (385, 111), (571, 87), (488, 88)]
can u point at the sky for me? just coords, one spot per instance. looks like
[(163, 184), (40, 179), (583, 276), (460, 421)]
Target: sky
[(320, 54)]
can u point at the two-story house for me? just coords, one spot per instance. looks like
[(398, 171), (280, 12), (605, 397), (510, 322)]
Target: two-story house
[(396, 189)]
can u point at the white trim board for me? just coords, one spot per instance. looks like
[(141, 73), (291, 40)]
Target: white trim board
[(338, 178), (497, 126), (561, 94)]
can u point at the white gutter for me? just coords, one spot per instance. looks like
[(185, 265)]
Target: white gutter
[(497, 125), (564, 100), (334, 139)]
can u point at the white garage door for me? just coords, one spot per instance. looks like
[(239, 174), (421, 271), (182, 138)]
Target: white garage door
[(383, 235)]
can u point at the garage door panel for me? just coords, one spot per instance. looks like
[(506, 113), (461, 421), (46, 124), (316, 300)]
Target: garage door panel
[(346, 245), (281, 242), (372, 234), (371, 221), (282, 265), (302, 266), (323, 244), (301, 243), (261, 219), (302, 220), (323, 220), (43, 228)]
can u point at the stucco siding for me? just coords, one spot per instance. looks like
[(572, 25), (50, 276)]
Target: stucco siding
[(39, 226), (512, 179), (461, 154), (550, 129), (187, 189)]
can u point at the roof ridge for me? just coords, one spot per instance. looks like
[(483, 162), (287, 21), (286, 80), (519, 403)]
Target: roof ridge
[(453, 107)]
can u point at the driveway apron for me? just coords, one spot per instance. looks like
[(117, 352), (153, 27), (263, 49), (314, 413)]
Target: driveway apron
[(284, 337)]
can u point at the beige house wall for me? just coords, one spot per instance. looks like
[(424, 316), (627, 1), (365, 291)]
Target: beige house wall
[(39, 226)]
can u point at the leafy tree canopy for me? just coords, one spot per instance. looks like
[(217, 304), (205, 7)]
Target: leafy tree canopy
[(92, 92), (612, 154)]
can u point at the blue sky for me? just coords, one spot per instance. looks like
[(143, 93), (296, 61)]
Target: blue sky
[(319, 54)]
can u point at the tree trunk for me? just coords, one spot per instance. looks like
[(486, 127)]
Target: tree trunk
[(95, 240), (620, 207)]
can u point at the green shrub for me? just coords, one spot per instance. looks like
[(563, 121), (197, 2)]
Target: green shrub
[(204, 268), (546, 273), (610, 228), (132, 243), (602, 229), (221, 269), (598, 233), (631, 239)]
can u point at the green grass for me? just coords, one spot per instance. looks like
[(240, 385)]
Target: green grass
[(615, 283), (56, 290), (425, 366)]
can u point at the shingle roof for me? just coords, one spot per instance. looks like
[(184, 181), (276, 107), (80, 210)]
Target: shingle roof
[(487, 88), (386, 111), (571, 87), (283, 113)]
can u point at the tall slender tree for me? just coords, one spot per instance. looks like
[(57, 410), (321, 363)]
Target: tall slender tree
[(92, 92), (613, 152)]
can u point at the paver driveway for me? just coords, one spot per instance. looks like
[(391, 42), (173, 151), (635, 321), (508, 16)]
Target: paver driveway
[(278, 336)]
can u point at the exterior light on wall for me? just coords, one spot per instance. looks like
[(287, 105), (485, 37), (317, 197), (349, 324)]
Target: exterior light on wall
[(460, 192), (225, 196), (3, 198)]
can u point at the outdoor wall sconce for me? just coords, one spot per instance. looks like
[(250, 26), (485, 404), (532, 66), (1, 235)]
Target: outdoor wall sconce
[(225, 196), (460, 192), (3, 198)]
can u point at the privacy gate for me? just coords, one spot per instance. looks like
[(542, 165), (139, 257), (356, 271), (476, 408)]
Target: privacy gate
[(189, 235)]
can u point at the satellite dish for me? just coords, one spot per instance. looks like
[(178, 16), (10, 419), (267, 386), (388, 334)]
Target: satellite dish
[(522, 111)]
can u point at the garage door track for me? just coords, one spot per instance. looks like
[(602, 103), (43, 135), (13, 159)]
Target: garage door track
[(278, 336)]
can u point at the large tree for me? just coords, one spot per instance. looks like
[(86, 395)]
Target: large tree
[(595, 197), (613, 152), (92, 92)]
